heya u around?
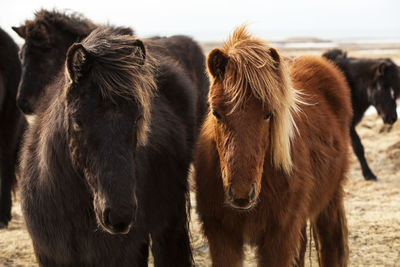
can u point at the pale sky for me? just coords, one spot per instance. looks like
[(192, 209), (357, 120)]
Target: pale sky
[(213, 19)]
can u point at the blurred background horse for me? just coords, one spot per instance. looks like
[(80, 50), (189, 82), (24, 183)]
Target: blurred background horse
[(373, 82)]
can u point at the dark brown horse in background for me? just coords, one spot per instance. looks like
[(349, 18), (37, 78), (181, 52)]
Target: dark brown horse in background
[(12, 122), (266, 161), (373, 82), (49, 35), (105, 162), (47, 39)]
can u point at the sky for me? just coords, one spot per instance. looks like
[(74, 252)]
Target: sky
[(213, 20)]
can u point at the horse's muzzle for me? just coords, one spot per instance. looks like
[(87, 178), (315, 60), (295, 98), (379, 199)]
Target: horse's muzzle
[(242, 203), (25, 106), (390, 118), (116, 223)]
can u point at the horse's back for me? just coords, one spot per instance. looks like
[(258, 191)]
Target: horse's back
[(187, 52), (188, 56), (10, 65), (323, 125), (319, 80)]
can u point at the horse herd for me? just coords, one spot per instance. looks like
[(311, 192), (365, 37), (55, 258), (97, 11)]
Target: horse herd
[(116, 121)]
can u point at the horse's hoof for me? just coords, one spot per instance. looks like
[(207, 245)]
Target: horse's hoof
[(370, 177), (3, 225)]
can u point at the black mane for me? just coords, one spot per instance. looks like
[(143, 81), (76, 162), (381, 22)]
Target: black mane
[(335, 54), (73, 23)]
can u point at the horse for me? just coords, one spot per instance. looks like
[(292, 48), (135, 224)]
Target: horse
[(12, 123), (373, 82), (190, 56), (47, 38), (272, 154), (49, 35), (104, 164)]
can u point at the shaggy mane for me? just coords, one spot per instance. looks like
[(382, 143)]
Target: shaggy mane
[(251, 69), (118, 70), (73, 22)]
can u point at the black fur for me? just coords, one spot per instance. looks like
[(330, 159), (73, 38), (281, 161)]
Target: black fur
[(47, 39), (188, 54), (11, 120), (372, 82)]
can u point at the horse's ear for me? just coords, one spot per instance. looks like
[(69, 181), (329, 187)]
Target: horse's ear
[(21, 31), (216, 63), (342, 55), (275, 56), (380, 68), (139, 51), (124, 31), (77, 62)]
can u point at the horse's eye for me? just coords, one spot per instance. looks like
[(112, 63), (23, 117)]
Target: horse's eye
[(392, 94), (268, 115), (216, 114), (138, 118), (77, 125)]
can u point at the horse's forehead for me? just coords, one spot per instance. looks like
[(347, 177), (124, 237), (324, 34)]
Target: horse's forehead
[(217, 97)]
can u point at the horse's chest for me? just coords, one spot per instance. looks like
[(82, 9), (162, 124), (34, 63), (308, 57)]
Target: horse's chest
[(254, 227), (55, 217)]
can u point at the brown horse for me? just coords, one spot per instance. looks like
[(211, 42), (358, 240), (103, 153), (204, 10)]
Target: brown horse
[(272, 153)]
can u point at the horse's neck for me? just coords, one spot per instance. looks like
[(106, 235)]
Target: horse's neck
[(54, 158), (353, 71)]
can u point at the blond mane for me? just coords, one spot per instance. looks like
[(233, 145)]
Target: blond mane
[(252, 69)]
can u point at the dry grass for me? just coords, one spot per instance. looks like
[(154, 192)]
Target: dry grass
[(373, 208)]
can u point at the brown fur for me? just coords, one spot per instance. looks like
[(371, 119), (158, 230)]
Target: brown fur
[(250, 64), (237, 148)]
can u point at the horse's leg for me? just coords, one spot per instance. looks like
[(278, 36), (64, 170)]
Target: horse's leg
[(171, 247), (303, 247), (7, 177), (280, 246), (359, 151), (226, 247), (44, 261), (143, 257), (331, 229)]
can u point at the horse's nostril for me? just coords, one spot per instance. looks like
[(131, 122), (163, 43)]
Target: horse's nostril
[(230, 192), (115, 221), (242, 202), (106, 216), (252, 193), (25, 106)]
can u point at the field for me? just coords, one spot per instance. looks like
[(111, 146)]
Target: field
[(373, 208)]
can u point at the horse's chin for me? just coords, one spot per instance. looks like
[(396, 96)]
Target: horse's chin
[(389, 121), (114, 231), (30, 118), (111, 229), (245, 208)]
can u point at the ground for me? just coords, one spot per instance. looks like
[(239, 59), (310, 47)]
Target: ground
[(373, 208)]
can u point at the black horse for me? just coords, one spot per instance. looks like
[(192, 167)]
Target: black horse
[(104, 164), (49, 35), (11, 120), (47, 39), (372, 82)]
